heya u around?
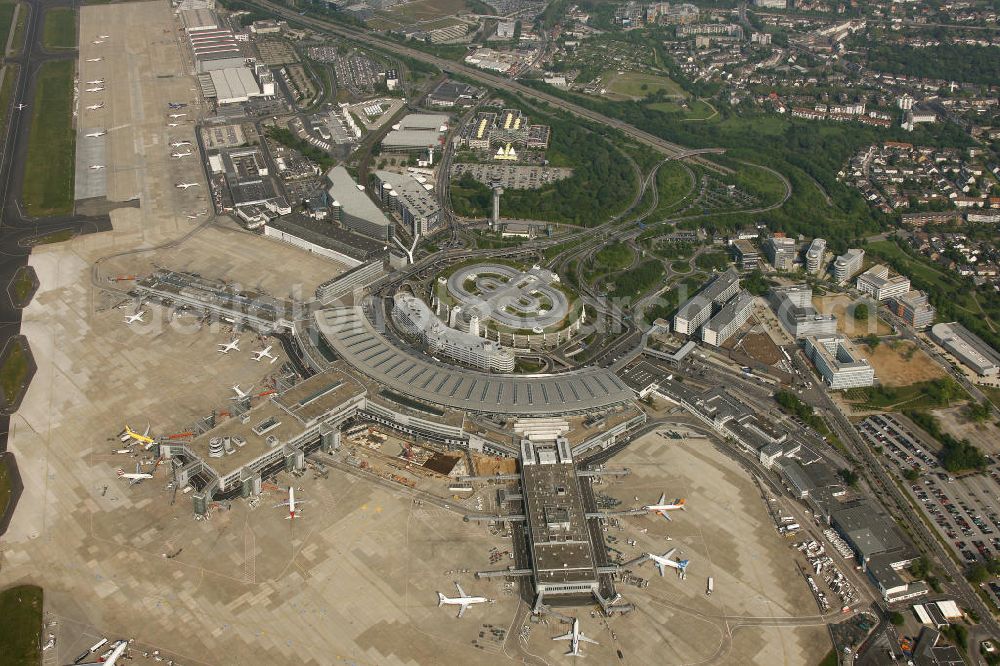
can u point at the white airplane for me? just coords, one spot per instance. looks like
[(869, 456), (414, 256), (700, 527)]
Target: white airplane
[(173, 124), (97, 41), (97, 167), (95, 107), (94, 135), (104, 36), (462, 600), (665, 560), (229, 346), (661, 507), (264, 353), (240, 394), (291, 503), (134, 477), (177, 115), (184, 186), (136, 317), (96, 89), (20, 107), (94, 59), (178, 144), (96, 82), (180, 155), (575, 636), (112, 657)]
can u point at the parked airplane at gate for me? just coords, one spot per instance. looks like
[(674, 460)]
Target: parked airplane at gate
[(229, 346), (128, 434), (240, 394), (264, 353), (291, 503), (662, 508), (134, 477), (462, 600), (575, 636), (665, 560)]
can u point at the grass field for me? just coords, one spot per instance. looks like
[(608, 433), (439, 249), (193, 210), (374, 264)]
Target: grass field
[(48, 178), (6, 21), (22, 286), (59, 29), (17, 43), (920, 395), (615, 256), (914, 268), (635, 85), (14, 371), (10, 72), (842, 306), (5, 490), (901, 363), (693, 109), (992, 393), (21, 628), (425, 10)]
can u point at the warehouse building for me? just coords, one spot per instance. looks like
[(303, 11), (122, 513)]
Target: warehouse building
[(215, 49), (411, 196), (913, 308), (235, 85), (781, 252), (848, 264), (968, 348), (416, 132), (353, 209), (733, 314), (876, 283), (698, 310), (794, 309), (840, 366), (199, 20)]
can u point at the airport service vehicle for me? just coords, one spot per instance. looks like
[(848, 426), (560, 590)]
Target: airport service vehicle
[(463, 600), (711, 586), (575, 636), (661, 507)]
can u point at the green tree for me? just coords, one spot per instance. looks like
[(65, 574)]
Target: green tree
[(896, 618), (861, 312), (849, 476)]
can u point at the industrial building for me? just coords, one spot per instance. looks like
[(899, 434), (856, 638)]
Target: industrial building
[(416, 132), (353, 209), (213, 46), (840, 366), (814, 255), (745, 254), (876, 283), (413, 316), (325, 239), (913, 308), (411, 196), (848, 264), (781, 252), (235, 85), (449, 94), (968, 348), (698, 310), (794, 309), (733, 314), (880, 547), (357, 278)]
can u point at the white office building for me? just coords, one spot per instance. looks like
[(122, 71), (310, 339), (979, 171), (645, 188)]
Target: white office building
[(876, 283), (840, 366), (781, 252), (814, 255), (733, 314), (794, 309), (848, 264), (697, 310)]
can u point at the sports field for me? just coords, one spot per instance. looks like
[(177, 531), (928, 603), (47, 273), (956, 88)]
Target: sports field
[(48, 176), (624, 86), (59, 28)]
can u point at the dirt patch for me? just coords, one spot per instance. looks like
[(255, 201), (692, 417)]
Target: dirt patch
[(490, 465), (761, 347), (843, 307), (901, 363), (984, 435)]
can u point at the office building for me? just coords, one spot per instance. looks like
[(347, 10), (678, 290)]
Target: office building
[(353, 209), (840, 366), (411, 196), (968, 348), (876, 283), (733, 314), (781, 252), (794, 309), (745, 254), (848, 264), (698, 310), (814, 255), (913, 308)]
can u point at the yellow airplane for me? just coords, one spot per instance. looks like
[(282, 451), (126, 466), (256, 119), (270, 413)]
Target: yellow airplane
[(131, 434)]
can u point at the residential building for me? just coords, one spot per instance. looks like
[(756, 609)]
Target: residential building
[(876, 283), (814, 255), (840, 366), (848, 264), (728, 320), (913, 308), (698, 309)]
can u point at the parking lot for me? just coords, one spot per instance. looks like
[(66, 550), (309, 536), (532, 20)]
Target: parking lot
[(965, 509), (513, 177)]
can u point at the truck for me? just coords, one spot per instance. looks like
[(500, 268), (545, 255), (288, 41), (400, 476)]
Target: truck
[(710, 587)]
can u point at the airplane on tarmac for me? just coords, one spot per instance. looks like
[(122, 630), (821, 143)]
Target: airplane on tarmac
[(94, 135), (178, 144), (291, 503), (662, 508), (184, 186), (104, 36), (97, 41), (240, 394), (575, 636), (128, 434), (134, 477), (96, 82), (131, 319), (96, 89), (665, 560), (94, 59), (177, 115), (462, 600), (180, 155), (19, 107), (264, 353), (98, 167), (229, 346), (95, 107)]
